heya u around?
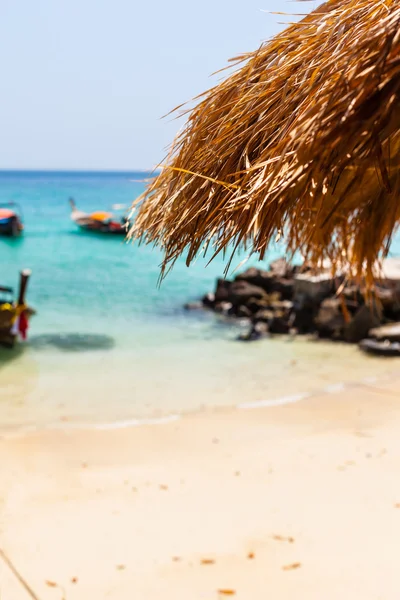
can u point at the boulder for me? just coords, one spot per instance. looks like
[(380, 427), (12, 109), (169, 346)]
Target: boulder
[(304, 313), (274, 297), (284, 287), (223, 307), (243, 311), (353, 306), (257, 304), (263, 316), (208, 300), (318, 286), (352, 293), (328, 310), (279, 281), (386, 296), (242, 291), (389, 332), (279, 324), (363, 321), (389, 300), (222, 290), (301, 269), (281, 268), (284, 305), (257, 331), (384, 348), (257, 277), (330, 321)]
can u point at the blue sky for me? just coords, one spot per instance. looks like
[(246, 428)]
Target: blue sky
[(86, 82)]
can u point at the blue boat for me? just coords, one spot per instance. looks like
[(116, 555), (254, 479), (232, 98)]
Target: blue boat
[(10, 220)]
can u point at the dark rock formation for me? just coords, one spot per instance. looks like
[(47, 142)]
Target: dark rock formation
[(261, 279), (365, 319), (305, 311), (222, 290), (330, 321), (209, 300), (279, 324), (256, 332), (243, 311), (264, 315), (242, 291), (223, 308), (288, 298), (256, 305)]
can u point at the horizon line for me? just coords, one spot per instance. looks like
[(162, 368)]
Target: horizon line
[(75, 170)]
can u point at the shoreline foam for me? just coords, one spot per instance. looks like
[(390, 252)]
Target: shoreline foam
[(112, 425)]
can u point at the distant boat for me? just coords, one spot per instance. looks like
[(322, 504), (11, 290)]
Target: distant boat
[(14, 316), (10, 220), (99, 221)]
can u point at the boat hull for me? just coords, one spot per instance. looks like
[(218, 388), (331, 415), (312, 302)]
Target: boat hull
[(11, 227), (103, 229), (7, 316)]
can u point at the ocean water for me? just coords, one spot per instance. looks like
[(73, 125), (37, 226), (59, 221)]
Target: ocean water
[(108, 344)]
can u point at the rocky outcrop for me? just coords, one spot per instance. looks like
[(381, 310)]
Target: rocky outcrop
[(291, 299)]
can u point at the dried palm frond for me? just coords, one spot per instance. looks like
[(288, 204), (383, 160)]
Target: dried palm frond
[(304, 139)]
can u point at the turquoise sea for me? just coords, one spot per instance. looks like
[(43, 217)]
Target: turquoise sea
[(107, 344)]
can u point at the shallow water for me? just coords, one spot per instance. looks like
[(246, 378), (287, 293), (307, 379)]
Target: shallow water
[(108, 344)]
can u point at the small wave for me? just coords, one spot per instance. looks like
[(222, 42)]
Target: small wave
[(135, 423), (335, 388), (70, 427), (275, 402)]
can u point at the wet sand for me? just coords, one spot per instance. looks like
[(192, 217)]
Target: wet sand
[(296, 501), (42, 387)]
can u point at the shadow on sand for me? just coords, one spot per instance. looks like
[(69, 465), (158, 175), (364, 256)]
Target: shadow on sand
[(72, 342), (7, 355)]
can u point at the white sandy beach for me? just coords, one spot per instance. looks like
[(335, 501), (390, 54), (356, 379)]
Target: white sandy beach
[(297, 501)]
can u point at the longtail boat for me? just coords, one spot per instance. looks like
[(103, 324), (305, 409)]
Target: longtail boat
[(10, 219), (14, 315), (99, 221)]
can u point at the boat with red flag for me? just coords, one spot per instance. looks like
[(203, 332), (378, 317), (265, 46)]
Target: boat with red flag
[(14, 314)]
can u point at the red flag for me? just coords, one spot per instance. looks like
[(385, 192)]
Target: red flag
[(23, 325)]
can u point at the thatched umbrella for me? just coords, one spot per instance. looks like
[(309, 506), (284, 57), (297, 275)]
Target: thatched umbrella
[(303, 141)]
